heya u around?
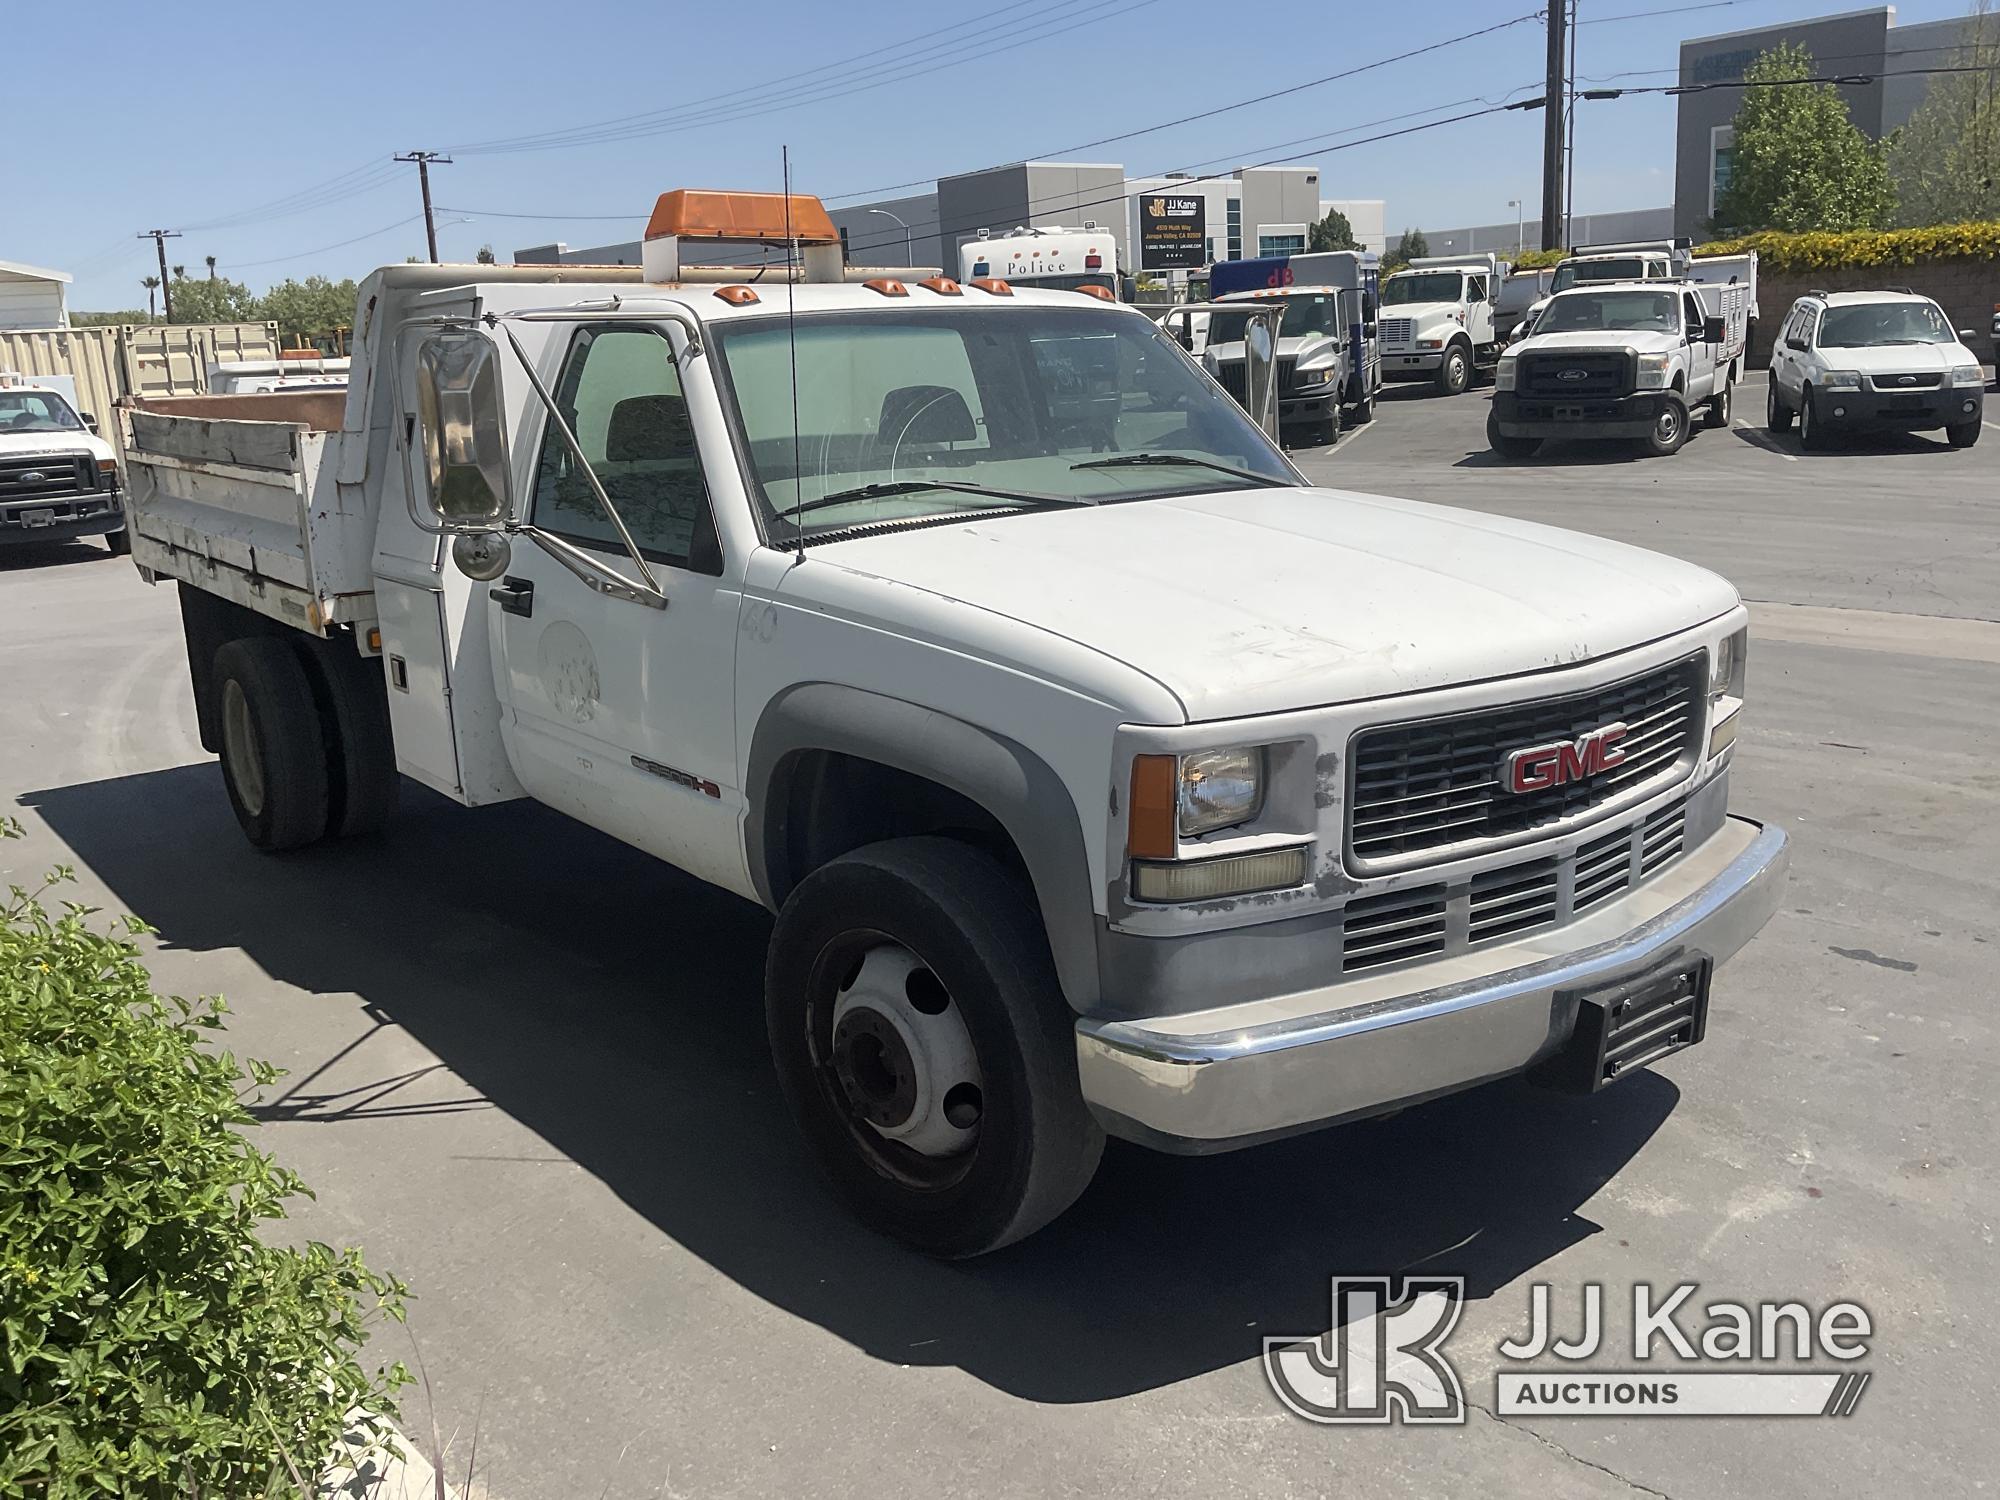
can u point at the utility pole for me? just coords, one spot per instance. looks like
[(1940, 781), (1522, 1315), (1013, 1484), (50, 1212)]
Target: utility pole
[(159, 237), (1554, 92), (423, 159)]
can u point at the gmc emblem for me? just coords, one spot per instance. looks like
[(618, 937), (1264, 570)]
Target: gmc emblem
[(1540, 767)]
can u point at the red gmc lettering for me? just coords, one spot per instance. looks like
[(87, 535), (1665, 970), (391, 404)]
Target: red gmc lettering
[(1543, 766)]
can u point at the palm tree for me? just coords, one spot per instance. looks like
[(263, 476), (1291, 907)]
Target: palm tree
[(152, 285), (180, 273), (211, 266)]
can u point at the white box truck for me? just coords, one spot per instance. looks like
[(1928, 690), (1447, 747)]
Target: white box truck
[(1104, 775)]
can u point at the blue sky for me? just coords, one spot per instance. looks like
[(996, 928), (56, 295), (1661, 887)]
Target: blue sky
[(291, 176)]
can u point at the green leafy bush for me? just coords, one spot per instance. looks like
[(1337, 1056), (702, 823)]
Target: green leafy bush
[(151, 1344)]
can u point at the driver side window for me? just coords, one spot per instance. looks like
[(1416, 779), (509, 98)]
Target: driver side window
[(621, 396), (1691, 310)]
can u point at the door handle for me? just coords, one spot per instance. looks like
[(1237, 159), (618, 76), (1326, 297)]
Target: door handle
[(516, 596)]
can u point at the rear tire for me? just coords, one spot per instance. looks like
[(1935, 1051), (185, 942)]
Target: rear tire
[(1719, 407), (1777, 415), (362, 781), (1964, 435), (273, 743), (1362, 411), (944, 910)]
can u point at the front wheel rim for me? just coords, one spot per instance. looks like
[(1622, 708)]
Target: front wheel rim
[(1669, 425), (239, 745), (896, 1061)]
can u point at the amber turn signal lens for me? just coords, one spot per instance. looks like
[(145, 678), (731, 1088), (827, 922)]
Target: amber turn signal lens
[(1149, 830)]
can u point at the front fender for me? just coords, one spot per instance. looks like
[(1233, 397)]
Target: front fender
[(1007, 779)]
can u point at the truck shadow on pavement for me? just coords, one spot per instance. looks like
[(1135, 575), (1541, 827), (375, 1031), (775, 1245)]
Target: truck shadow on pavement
[(613, 1007)]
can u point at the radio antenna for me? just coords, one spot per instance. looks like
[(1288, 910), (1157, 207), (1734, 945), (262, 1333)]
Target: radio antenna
[(792, 341)]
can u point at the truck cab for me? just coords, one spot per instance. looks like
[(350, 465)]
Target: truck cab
[(1634, 260), (1628, 360), (1103, 775), (1438, 320), (1329, 362), (58, 478)]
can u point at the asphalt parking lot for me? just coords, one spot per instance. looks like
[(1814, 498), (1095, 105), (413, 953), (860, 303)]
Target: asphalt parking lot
[(536, 1087)]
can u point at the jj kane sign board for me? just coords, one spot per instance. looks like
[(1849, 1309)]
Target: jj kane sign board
[(1173, 231)]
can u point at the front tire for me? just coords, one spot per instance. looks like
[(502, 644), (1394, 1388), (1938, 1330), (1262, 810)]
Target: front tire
[(1964, 435), (923, 1043), (1509, 447), (273, 744), (1777, 415), (1812, 431), (119, 543), (1670, 428), (1455, 371)]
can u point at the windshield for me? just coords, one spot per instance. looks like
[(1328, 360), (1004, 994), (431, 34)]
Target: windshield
[(1420, 286), (1864, 325), (1650, 311), (1003, 399), (1574, 273), (36, 411), (1305, 317)]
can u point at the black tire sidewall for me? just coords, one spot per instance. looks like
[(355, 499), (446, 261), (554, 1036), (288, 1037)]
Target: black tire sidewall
[(1445, 383), (285, 722), (363, 784), (966, 919), (1652, 442)]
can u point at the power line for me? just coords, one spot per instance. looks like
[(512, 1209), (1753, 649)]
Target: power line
[(248, 265), (367, 178), (991, 17), (898, 70), (1207, 114)]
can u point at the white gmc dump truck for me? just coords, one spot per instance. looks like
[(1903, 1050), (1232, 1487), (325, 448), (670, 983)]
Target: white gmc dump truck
[(1104, 775)]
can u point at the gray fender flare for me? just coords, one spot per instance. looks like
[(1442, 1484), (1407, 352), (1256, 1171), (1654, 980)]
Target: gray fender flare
[(1008, 780)]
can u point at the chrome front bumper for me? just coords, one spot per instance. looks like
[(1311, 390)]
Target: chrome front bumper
[(1217, 1079)]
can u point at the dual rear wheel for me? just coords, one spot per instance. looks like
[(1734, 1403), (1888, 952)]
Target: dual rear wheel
[(306, 746)]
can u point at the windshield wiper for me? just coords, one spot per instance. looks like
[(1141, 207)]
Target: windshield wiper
[(911, 486), (1143, 460)]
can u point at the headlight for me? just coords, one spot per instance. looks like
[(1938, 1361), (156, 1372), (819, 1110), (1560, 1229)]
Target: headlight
[(1841, 380), (1503, 373), (1430, 343), (1727, 672), (1653, 371), (1968, 375), (1314, 377), (1219, 789)]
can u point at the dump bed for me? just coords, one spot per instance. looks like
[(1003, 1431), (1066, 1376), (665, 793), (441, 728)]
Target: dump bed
[(235, 495)]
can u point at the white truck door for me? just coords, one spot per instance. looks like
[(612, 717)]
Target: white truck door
[(1700, 352), (616, 712)]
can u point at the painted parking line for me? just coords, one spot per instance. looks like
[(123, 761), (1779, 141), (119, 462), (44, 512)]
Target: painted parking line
[(1764, 440), (1348, 435), (1994, 425)]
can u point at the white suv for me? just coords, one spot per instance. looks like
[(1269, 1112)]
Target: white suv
[(1873, 360)]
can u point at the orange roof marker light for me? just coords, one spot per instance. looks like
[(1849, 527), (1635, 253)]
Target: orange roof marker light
[(888, 286), (993, 286), (738, 296), (1101, 293), (944, 286), (741, 219)]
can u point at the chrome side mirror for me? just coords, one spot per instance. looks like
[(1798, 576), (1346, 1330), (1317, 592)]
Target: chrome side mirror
[(464, 431)]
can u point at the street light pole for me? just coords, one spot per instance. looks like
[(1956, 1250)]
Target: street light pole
[(909, 255), (1520, 231)]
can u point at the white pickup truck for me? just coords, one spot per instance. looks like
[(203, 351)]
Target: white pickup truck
[(1622, 360), (1104, 774)]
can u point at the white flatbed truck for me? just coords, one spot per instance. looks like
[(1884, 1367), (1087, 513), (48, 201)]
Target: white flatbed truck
[(1103, 774)]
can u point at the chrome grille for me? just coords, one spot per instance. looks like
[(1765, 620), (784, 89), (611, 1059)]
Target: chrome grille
[(1529, 895), (1432, 783), (1392, 928), (1928, 380), (63, 475), (1510, 900)]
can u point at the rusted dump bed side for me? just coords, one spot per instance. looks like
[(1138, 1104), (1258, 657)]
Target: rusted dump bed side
[(234, 495)]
